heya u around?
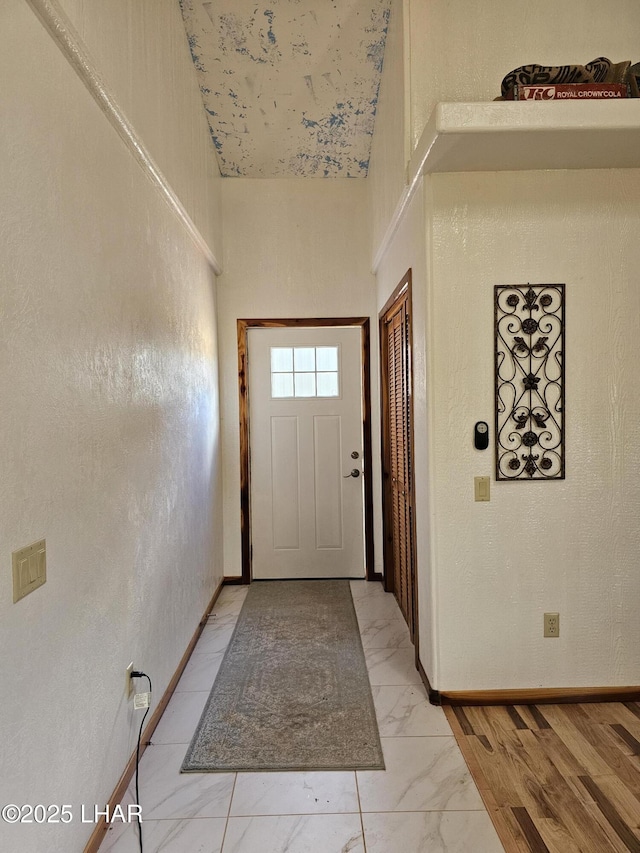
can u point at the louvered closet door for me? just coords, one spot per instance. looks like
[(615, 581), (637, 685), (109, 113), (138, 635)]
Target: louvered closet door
[(399, 487)]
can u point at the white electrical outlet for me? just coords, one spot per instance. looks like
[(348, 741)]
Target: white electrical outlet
[(129, 685), (551, 624)]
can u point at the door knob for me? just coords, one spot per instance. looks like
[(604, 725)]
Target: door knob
[(354, 473)]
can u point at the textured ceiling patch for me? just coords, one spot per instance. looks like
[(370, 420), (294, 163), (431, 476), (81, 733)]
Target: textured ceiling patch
[(289, 88)]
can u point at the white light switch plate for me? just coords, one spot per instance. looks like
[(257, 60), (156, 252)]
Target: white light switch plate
[(29, 569), (482, 488)]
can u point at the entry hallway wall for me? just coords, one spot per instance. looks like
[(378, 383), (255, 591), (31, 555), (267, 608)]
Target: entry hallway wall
[(568, 546), (292, 248), (488, 571), (109, 419)]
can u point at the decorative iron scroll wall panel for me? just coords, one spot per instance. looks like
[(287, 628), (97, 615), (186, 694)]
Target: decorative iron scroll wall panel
[(529, 333)]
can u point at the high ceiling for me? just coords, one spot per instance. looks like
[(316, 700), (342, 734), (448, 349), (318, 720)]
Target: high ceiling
[(289, 87)]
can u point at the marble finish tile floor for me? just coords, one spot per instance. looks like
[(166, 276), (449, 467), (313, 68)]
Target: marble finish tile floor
[(424, 802)]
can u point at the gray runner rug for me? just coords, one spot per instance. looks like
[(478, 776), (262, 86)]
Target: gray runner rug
[(292, 692)]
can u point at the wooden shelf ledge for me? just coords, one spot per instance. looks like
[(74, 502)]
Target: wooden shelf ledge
[(504, 136)]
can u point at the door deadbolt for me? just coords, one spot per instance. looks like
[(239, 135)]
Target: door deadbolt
[(354, 473), (355, 455)]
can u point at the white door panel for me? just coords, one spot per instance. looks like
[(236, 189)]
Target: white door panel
[(327, 453), (285, 482), (306, 512)]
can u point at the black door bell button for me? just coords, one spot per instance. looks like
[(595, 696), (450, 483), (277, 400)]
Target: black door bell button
[(481, 435)]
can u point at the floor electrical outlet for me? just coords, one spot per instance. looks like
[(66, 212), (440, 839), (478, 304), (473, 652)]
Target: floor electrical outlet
[(551, 624), (129, 686)]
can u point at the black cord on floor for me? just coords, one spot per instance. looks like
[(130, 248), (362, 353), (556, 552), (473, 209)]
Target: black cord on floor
[(140, 675)]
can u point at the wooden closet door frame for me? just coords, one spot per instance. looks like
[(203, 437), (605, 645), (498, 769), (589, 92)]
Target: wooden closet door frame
[(401, 293)]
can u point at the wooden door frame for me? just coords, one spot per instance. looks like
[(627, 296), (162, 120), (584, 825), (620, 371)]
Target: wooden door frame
[(245, 448), (403, 289)]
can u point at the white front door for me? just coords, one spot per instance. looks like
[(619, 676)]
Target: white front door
[(305, 422)]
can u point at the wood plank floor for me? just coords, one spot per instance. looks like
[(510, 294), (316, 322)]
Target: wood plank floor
[(556, 778)]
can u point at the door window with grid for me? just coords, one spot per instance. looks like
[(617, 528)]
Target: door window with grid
[(305, 372)]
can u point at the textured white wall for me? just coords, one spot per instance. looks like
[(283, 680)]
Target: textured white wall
[(408, 250), (387, 172), (569, 546), (293, 248), (110, 436), (138, 48), (491, 570), (461, 51)]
